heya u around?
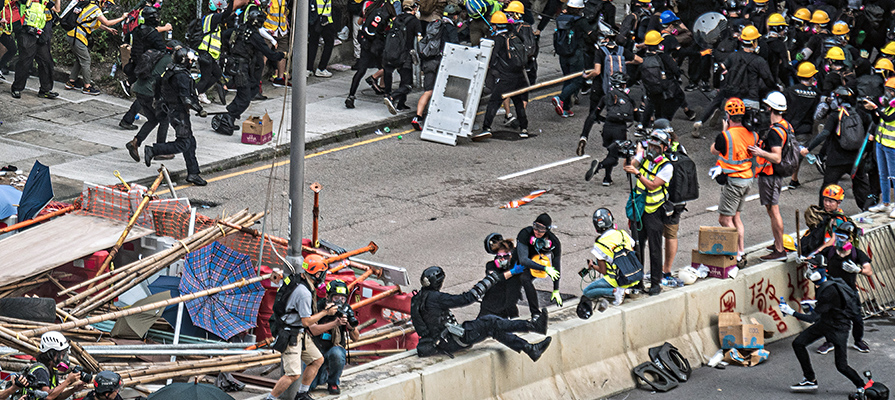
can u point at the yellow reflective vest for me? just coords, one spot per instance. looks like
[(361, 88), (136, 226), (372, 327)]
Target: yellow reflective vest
[(211, 40), (276, 17), (886, 132), (35, 14), (88, 21), (654, 198), (608, 243)]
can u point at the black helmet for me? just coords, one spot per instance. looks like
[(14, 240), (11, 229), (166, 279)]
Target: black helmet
[(847, 228), (184, 57), (432, 278), (256, 17), (336, 286), (618, 79), (106, 382), (603, 220), (149, 16), (491, 240)]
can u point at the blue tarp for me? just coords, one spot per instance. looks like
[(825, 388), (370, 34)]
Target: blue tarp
[(9, 200)]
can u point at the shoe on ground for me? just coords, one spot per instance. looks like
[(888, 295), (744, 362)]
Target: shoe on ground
[(147, 155), (417, 123), (539, 322), (607, 181), (892, 214), (691, 87), (163, 157), (567, 114), (691, 115), (524, 134), (402, 107), (825, 348), (594, 167), (654, 290), (91, 90), (333, 389), (774, 256), (322, 73), (203, 98), (557, 105), (303, 396), (804, 386), (509, 119), (861, 346), (771, 247), (125, 87), (484, 134), (259, 97), (391, 106), (133, 149), (127, 126), (705, 87), (73, 85), (501, 111), (195, 179), (793, 184), (376, 89), (534, 351), (280, 82), (880, 208), (48, 95), (16, 94), (349, 102), (619, 294), (579, 151)]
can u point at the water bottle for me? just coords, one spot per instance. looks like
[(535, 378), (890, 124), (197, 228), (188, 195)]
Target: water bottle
[(169, 35), (864, 220), (114, 69), (811, 158)]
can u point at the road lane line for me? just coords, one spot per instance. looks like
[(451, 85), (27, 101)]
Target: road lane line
[(542, 167), (748, 198)]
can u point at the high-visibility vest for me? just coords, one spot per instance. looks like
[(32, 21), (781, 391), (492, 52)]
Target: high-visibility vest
[(276, 17), (737, 162), (211, 40), (324, 8), (656, 197), (886, 133), (780, 128), (607, 243), (54, 381), (35, 14), (88, 21)]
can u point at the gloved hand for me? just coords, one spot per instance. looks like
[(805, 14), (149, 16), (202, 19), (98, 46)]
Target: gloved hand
[(808, 304), (552, 273), (786, 309), (714, 171), (850, 267), (202, 113), (517, 269), (556, 298)]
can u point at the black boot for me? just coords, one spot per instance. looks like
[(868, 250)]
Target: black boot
[(535, 350), (147, 155), (195, 179), (539, 322)]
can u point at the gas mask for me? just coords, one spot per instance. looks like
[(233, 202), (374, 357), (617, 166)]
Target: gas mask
[(502, 261), (843, 245), (653, 154), (814, 274)]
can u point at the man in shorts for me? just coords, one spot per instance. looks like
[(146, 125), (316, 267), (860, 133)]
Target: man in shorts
[(769, 151)]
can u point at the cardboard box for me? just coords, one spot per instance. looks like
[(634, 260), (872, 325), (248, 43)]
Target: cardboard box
[(746, 358), (718, 240), (735, 334), (720, 266), (257, 130)]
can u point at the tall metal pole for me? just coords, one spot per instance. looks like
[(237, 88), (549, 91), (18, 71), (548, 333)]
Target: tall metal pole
[(297, 146)]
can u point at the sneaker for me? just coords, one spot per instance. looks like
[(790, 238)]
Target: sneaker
[(804, 386), (523, 133), (557, 105), (509, 119), (73, 85), (594, 167), (691, 87), (48, 95), (607, 181), (691, 115), (204, 99), (91, 90), (322, 73), (125, 87), (376, 88), (417, 123), (484, 134), (705, 87), (333, 389), (892, 214), (388, 104), (349, 102), (774, 256), (303, 396), (567, 114), (880, 208), (501, 111), (280, 82), (825, 348), (579, 151), (654, 290), (619, 294), (793, 184), (402, 107), (127, 126), (861, 346), (16, 94), (259, 97)]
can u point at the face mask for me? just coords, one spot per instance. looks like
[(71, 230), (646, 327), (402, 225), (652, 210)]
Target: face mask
[(510, 20), (843, 244), (813, 275)]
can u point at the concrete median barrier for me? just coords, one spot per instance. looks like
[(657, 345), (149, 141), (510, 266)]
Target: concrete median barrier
[(593, 355), (704, 301)]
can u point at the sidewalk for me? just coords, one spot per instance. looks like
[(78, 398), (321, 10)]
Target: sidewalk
[(77, 135)]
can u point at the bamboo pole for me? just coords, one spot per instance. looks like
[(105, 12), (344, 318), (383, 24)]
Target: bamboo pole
[(360, 279), (37, 219), (366, 323), (377, 339), (376, 298), (545, 84), (376, 353), (87, 361), (26, 284), (147, 307), (200, 371), (183, 366)]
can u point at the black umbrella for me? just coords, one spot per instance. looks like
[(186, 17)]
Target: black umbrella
[(191, 391)]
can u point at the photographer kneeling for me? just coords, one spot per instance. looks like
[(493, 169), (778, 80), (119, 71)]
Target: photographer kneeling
[(330, 335), (43, 375), (608, 245), (106, 386)]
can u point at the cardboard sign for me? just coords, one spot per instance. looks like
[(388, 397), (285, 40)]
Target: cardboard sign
[(719, 265), (718, 240), (257, 130), (734, 334)]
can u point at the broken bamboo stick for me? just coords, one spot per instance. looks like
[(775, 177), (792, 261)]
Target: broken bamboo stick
[(380, 296), (29, 222), (377, 339)]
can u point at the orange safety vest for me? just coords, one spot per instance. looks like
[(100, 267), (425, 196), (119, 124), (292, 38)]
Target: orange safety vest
[(781, 128), (737, 162)]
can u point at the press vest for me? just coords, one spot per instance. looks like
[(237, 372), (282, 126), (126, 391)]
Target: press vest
[(780, 128), (276, 17), (211, 39), (53, 379), (88, 21), (656, 197), (886, 131), (35, 14), (324, 8), (608, 243), (737, 162)]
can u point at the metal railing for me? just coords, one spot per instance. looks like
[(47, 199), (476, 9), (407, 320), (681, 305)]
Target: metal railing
[(877, 292)]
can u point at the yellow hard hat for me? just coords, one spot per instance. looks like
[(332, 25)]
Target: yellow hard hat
[(890, 83), (776, 19), (806, 70), (840, 28), (835, 53), (749, 33), (889, 49), (541, 259), (802, 14), (884, 63), (819, 17), (760, 1), (789, 243), (499, 18), (653, 38), (515, 7)]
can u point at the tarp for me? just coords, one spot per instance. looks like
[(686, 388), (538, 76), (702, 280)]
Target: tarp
[(37, 193), (9, 201), (171, 284), (135, 326)]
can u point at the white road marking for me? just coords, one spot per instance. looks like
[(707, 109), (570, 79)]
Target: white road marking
[(748, 198), (543, 167)]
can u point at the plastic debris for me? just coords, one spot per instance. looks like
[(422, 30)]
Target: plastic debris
[(525, 200)]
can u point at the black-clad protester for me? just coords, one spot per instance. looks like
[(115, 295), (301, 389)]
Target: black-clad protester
[(377, 17), (106, 386), (34, 42), (508, 62), (408, 25), (538, 240), (801, 100), (144, 88), (144, 37), (501, 299)]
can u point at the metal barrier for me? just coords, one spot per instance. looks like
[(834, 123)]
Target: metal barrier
[(877, 292)]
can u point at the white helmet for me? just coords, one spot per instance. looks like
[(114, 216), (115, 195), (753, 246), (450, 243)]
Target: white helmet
[(53, 341), (776, 100), (575, 3), (687, 275)]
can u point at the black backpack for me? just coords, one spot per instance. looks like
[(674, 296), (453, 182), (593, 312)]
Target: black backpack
[(432, 43), (280, 301), (150, 57), (395, 52), (874, 15), (652, 74), (426, 345), (565, 40), (628, 269), (619, 106), (69, 21), (851, 130), (516, 55), (376, 23), (851, 304), (789, 159), (684, 185), (194, 33)]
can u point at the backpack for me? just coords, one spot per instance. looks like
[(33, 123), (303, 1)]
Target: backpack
[(143, 69), (395, 52), (684, 185), (280, 301), (376, 23), (628, 269), (851, 130), (194, 33), (789, 159), (516, 55), (627, 29), (874, 14), (131, 22), (612, 63), (426, 345), (432, 42), (69, 21), (565, 41), (851, 305), (619, 106), (652, 74), (525, 32)]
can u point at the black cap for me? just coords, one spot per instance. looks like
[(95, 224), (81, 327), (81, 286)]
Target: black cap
[(545, 220)]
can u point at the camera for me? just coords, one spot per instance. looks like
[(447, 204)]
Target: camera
[(344, 310), (584, 272), (626, 148), (86, 377)]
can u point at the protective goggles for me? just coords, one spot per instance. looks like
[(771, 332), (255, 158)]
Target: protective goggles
[(539, 227)]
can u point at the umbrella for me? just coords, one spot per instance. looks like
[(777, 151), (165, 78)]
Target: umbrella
[(135, 326), (38, 192), (9, 200), (226, 313), (192, 391), (165, 283)]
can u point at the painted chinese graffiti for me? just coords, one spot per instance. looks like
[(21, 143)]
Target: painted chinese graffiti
[(764, 297)]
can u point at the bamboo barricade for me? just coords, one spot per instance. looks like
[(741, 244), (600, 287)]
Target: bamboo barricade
[(182, 367), (380, 296), (360, 279), (385, 328), (545, 84), (393, 334), (37, 219), (137, 310)]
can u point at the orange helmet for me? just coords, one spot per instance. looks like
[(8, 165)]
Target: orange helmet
[(834, 192), (735, 106), (314, 264), (819, 17)]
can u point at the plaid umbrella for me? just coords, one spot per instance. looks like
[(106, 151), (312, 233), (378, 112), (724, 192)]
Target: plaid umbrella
[(229, 312)]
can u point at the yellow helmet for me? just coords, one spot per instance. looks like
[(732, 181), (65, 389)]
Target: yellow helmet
[(499, 18), (840, 28), (541, 259), (749, 33), (776, 19), (515, 7), (789, 243), (884, 64), (835, 53), (802, 14), (890, 83), (806, 70), (889, 49), (819, 17), (760, 1), (653, 38)]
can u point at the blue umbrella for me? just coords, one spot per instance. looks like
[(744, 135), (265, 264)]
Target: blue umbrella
[(38, 192), (9, 200), (225, 313)]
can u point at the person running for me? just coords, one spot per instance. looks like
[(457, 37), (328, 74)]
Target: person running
[(89, 20), (508, 62)]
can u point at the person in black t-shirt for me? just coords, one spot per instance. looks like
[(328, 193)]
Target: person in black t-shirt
[(538, 240), (45, 373), (331, 337), (501, 299)]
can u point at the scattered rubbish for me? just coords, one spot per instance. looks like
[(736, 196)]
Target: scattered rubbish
[(257, 130), (114, 69), (136, 117), (746, 358), (386, 129), (378, 132), (864, 220), (525, 200), (734, 333), (665, 370), (400, 137), (715, 266), (339, 67), (716, 240), (716, 359)]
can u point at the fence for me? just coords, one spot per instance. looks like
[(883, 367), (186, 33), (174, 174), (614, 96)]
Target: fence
[(877, 292)]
